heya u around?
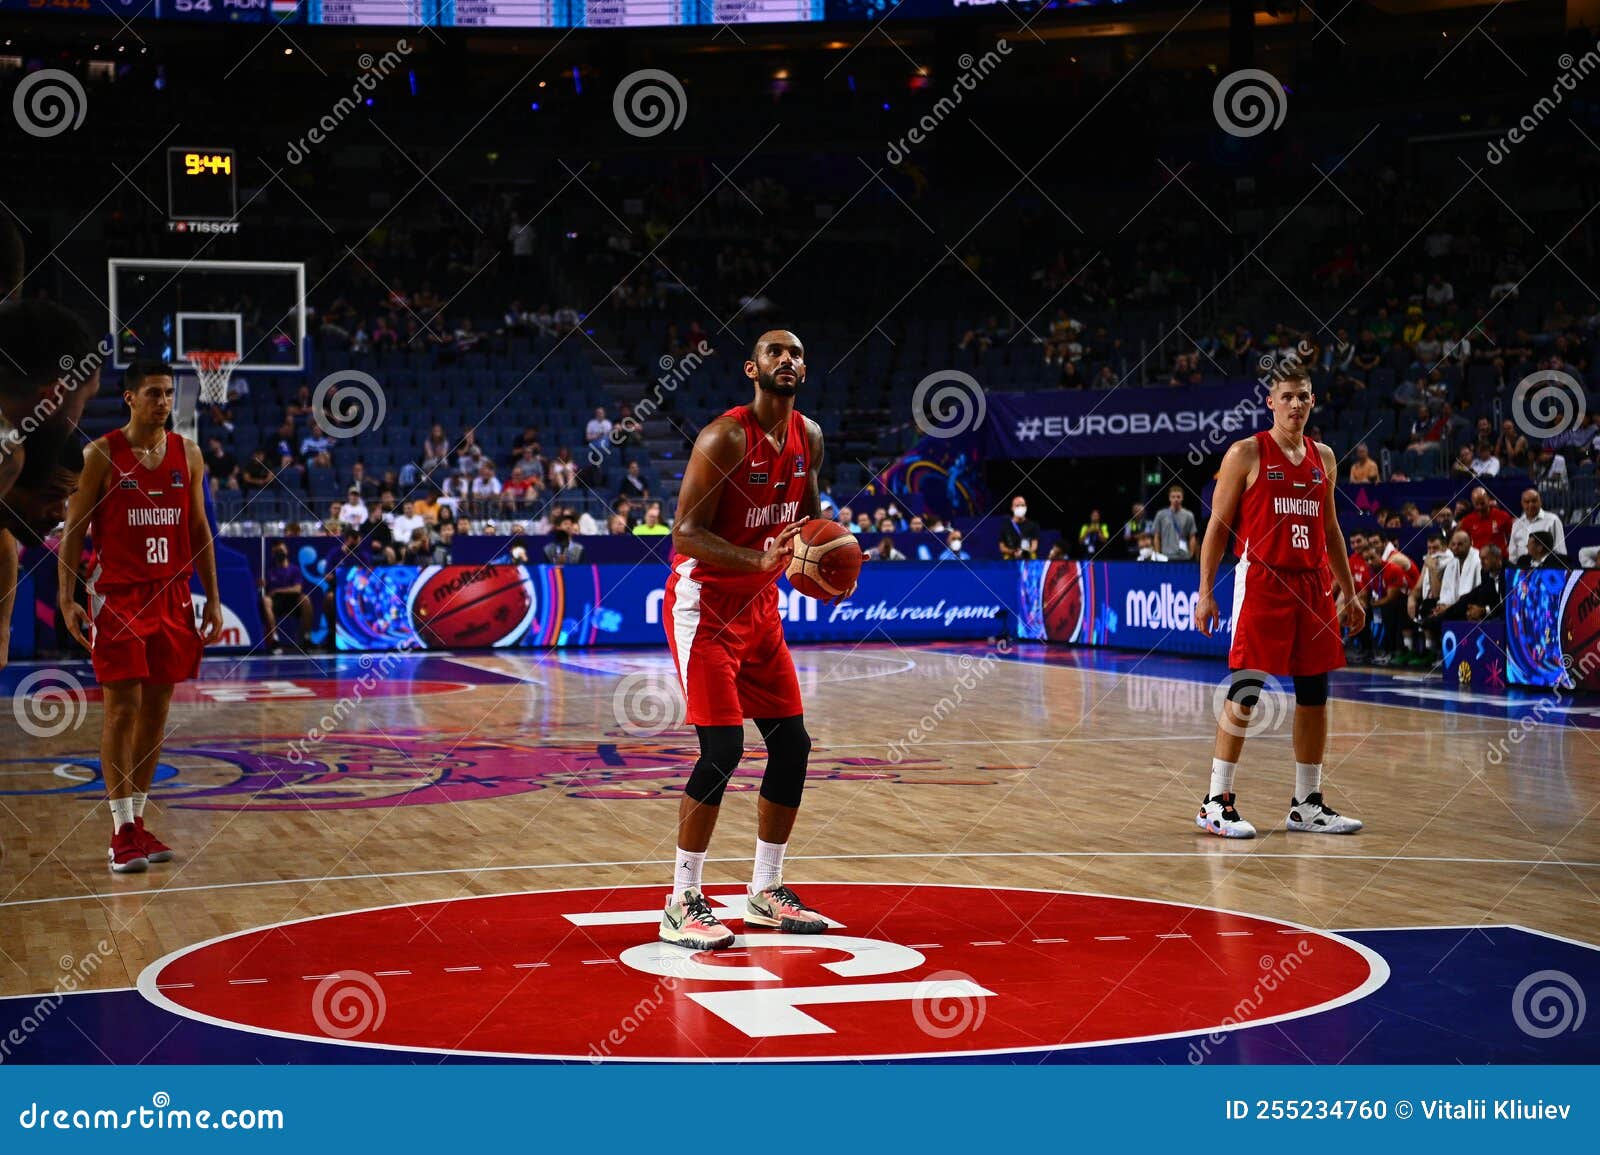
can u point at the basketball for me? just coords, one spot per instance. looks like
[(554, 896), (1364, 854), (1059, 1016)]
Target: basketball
[(1063, 601), (1580, 629), (826, 561), (458, 606)]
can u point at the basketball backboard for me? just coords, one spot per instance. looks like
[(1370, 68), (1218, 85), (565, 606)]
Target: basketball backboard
[(166, 308)]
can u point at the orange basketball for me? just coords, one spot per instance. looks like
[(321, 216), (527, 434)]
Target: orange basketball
[(460, 606), (826, 561)]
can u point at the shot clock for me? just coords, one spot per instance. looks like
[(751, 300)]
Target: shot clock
[(201, 187)]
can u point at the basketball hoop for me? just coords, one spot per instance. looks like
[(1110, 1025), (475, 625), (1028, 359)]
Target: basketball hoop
[(213, 367)]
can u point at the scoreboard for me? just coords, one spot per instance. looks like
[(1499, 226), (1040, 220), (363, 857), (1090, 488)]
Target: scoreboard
[(514, 13)]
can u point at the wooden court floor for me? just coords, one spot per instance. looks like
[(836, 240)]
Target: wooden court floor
[(288, 794)]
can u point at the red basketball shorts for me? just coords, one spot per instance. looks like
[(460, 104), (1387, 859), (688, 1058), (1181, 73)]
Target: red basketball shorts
[(145, 633), (1285, 622), (730, 654)]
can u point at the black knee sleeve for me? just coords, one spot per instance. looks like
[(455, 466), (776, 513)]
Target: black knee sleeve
[(721, 747), (1245, 688), (1311, 690), (788, 752)]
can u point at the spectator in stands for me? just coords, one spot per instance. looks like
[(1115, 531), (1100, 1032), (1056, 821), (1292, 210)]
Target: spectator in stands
[(444, 546), (221, 465), (863, 523), (625, 508), (652, 525), (566, 319), (616, 525), (1092, 535), (419, 548), (1487, 598), (256, 474), (846, 517), (952, 550), (598, 430), (1487, 523), (1512, 448), (404, 524), (886, 525), (456, 494), (1106, 378), (1176, 534), (1145, 548), (1484, 463), (353, 512), (524, 487), (563, 470), (886, 551), (633, 484), (286, 598), (1422, 600), (1339, 354), (469, 454), (1368, 354), (1541, 552), (486, 488), (563, 550), (315, 441), (1462, 571), (361, 483), (1535, 519), (435, 450), (1019, 538), (1363, 469), (1440, 292)]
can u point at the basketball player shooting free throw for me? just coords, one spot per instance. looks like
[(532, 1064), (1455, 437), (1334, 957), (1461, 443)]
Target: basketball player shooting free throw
[(750, 484), (1275, 495)]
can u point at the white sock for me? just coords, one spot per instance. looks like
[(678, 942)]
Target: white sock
[(1307, 779), (686, 872), (1221, 777), (138, 803), (121, 813), (769, 865)]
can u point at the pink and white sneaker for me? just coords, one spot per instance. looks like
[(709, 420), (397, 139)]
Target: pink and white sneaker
[(781, 907), (689, 922)]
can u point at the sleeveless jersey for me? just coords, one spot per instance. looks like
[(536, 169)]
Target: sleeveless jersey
[(140, 526), (1280, 522), (759, 500)]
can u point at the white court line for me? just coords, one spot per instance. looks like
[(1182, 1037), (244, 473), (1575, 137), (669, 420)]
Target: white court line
[(158, 892)]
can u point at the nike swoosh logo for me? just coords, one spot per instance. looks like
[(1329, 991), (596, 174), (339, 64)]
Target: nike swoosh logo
[(755, 463), (674, 923)]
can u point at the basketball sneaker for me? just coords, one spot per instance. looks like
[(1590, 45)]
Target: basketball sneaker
[(154, 849), (781, 907), (690, 923), (1316, 817), (126, 853), (1218, 816)]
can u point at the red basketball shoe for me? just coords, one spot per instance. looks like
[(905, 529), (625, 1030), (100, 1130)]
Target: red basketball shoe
[(126, 854), (154, 849)]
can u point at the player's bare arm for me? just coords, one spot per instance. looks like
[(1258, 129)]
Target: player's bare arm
[(8, 591), (1350, 611), (1239, 466), (205, 557), (80, 507), (717, 453)]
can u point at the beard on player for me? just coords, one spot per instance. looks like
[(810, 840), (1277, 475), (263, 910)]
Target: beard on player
[(783, 381)]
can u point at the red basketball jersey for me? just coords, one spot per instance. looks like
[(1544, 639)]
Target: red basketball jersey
[(140, 526), (760, 499), (1281, 521)]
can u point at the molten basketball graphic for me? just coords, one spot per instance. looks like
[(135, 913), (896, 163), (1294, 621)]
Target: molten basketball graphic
[(1580, 631), (1063, 601), (460, 606), (826, 561)]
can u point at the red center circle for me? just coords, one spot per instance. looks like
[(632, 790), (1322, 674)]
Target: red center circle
[(910, 971)]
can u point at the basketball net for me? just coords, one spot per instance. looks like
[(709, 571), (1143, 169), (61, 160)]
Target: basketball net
[(213, 367)]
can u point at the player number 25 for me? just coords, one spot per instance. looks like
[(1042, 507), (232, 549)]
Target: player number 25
[(1300, 536), (156, 550)]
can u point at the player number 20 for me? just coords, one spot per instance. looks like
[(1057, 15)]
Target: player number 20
[(1300, 536), (156, 550)]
